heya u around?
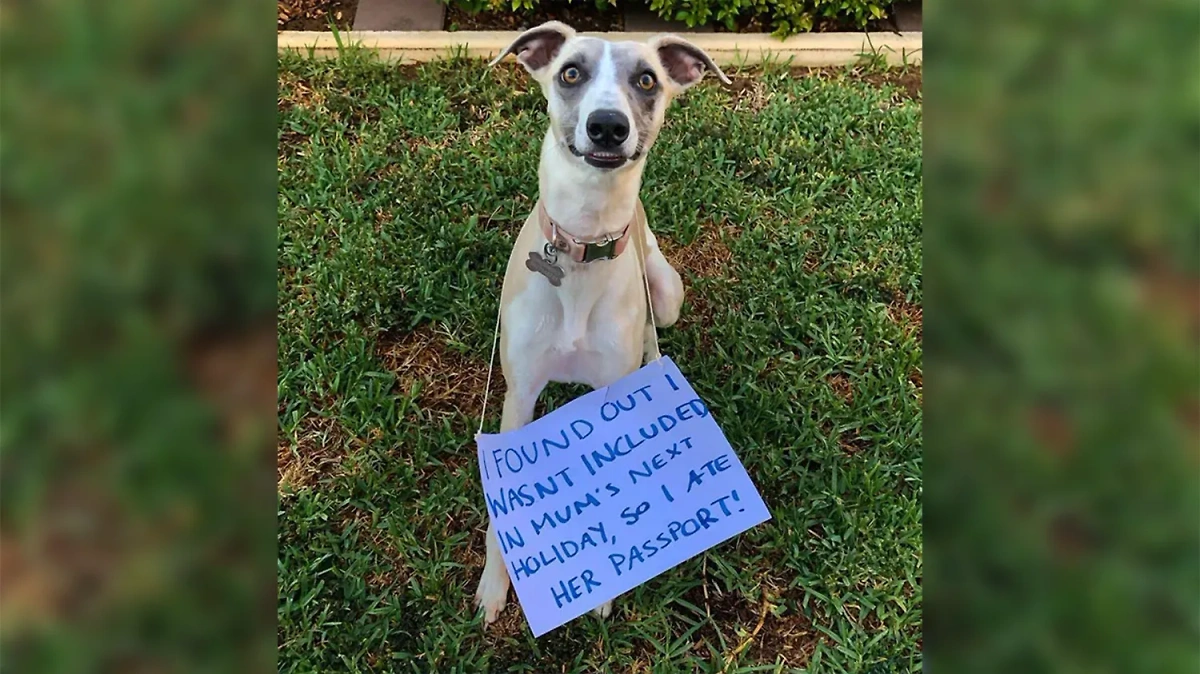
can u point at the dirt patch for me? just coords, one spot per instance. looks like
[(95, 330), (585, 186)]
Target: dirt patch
[(509, 624), (75, 559), (391, 576), (708, 256), (235, 373), (315, 14), (315, 450), (289, 141), (842, 386), (28, 588), (295, 92), (789, 638), (352, 111), (1188, 413), (584, 16), (906, 80), (758, 632), (1053, 430), (811, 262), (698, 314), (699, 309), (1172, 294), (472, 556), (851, 444), (449, 382), (1072, 537), (749, 93), (909, 316), (849, 441)]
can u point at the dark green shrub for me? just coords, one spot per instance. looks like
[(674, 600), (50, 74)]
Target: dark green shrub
[(784, 17)]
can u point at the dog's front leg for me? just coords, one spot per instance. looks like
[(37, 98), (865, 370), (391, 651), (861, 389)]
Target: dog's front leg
[(492, 595), (666, 288), (650, 351)]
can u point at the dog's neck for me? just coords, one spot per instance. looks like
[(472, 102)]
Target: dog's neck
[(586, 201)]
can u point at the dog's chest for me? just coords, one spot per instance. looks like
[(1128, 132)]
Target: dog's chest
[(587, 331)]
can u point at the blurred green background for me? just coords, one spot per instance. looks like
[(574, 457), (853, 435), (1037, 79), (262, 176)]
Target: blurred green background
[(1062, 320), (138, 377), (1063, 225)]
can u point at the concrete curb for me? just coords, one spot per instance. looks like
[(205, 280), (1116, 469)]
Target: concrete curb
[(810, 49)]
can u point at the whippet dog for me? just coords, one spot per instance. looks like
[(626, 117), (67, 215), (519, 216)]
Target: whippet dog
[(574, 305)]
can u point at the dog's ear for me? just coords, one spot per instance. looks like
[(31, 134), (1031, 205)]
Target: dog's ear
[(684, 62), (537, 47)]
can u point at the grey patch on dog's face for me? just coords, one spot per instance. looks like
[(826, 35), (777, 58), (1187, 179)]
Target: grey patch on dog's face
[(584, 55), (589, 75)]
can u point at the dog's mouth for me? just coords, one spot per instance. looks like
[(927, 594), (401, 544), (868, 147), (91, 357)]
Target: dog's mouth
[(603, 160)]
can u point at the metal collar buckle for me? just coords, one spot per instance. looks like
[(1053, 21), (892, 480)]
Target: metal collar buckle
[(604, 249), (600, 250)]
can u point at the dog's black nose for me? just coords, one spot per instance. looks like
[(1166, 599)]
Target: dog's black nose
[(607, 128)]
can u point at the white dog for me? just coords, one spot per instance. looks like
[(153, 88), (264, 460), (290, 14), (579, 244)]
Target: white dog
[(574, 305)]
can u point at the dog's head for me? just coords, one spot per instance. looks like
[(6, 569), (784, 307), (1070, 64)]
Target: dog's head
[(606, 99)]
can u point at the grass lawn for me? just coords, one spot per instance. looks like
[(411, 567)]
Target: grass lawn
[(790, 203)]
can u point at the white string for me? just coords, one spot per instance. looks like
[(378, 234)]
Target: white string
[(646, 280), (491, 365)]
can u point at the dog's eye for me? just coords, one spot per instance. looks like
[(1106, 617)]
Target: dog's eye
[(571, 75), (646, 81)]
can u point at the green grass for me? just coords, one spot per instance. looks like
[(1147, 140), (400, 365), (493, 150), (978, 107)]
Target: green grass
[(791, 205)]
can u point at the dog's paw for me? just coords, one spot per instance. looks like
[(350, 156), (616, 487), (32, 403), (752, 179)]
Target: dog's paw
[(603, 611), (492, 595)]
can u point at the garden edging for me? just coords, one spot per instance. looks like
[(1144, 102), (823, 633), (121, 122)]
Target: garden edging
[(809, 49)]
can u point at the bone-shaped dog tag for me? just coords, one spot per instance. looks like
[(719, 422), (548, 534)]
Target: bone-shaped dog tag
[(541, 265)]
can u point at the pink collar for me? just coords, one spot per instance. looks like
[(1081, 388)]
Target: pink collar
[(606, 247)]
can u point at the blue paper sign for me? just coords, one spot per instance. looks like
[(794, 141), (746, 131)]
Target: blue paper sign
[(611, 490)]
